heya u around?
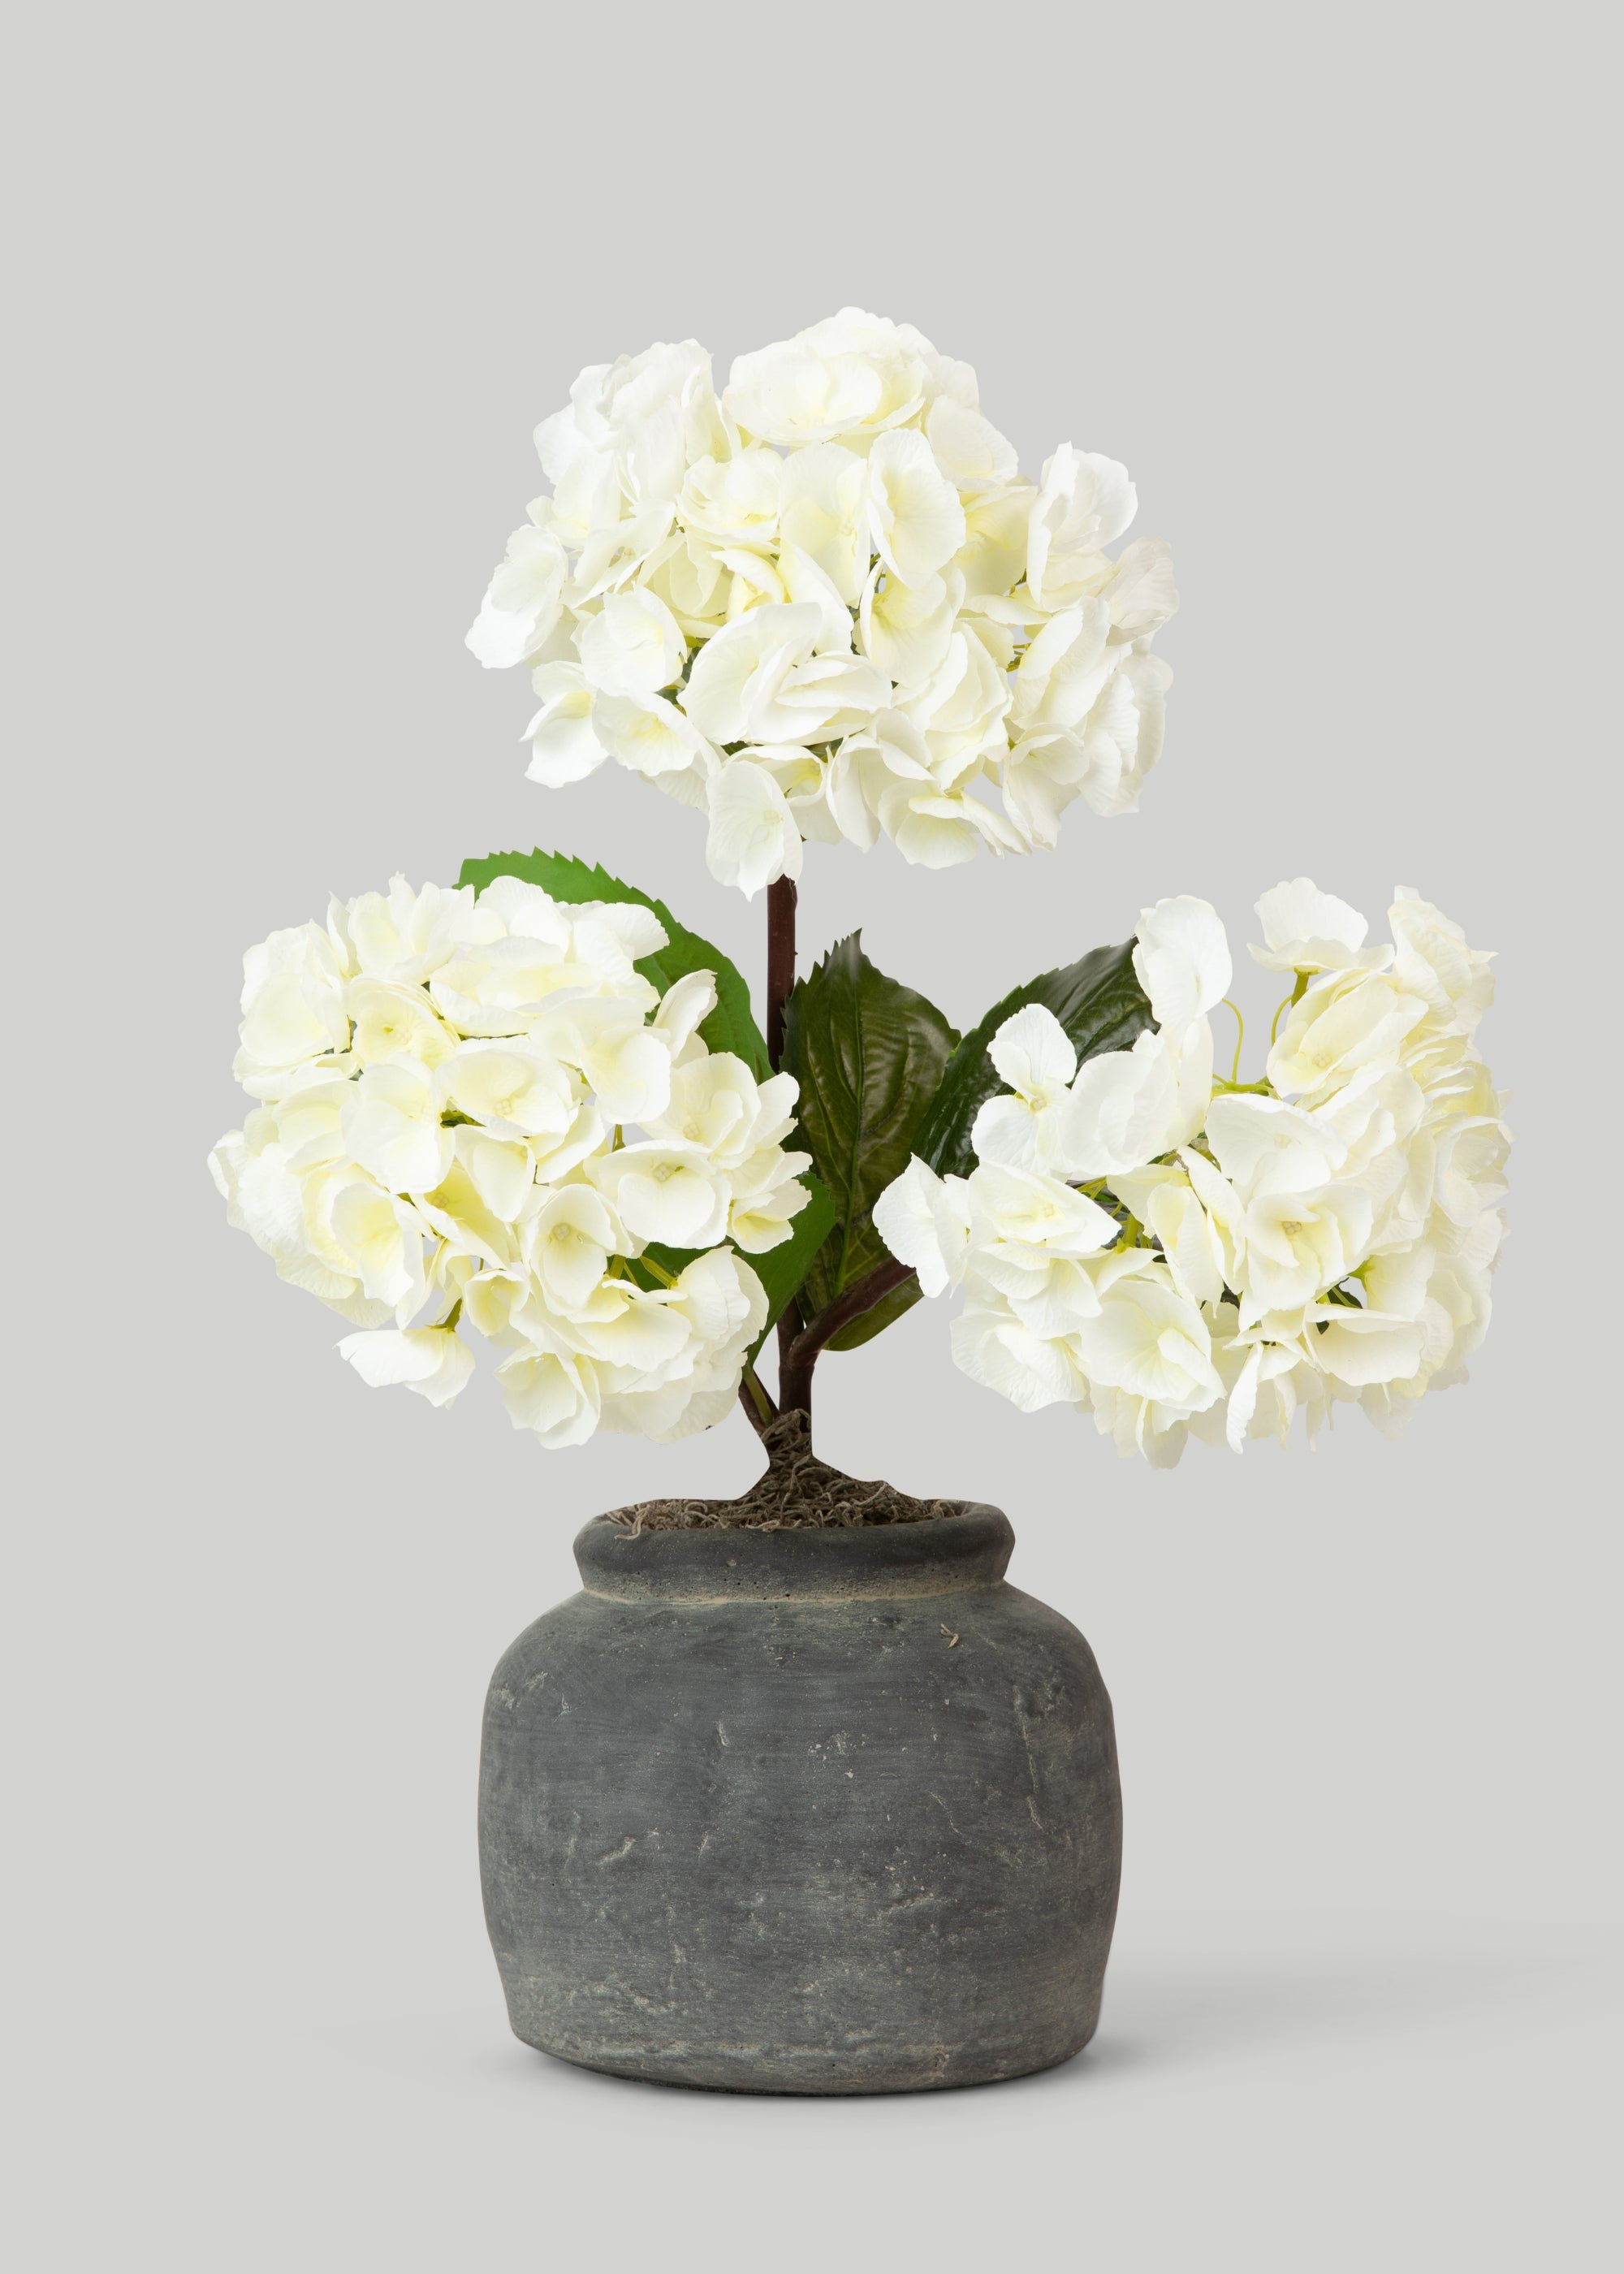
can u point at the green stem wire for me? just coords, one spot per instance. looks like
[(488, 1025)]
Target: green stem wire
[(1286, 1002)]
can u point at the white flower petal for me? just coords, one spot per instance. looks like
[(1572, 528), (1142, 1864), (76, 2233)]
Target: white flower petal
[(753, 839), (1181, 957), (923, 1221), (429, 1359)]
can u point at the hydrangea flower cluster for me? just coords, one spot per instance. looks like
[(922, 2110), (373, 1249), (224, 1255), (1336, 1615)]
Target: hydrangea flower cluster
[(481, 1105), (826, 605), (1185, 1256)]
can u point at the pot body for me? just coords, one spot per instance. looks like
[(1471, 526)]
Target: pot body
[(822, 1810)]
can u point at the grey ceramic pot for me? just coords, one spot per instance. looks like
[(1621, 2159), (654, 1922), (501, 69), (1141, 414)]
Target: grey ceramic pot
[(801, 1812)]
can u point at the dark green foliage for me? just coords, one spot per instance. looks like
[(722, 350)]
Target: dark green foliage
[(868, 1054)]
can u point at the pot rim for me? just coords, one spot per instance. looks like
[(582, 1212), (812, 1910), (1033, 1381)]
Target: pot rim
[(937, 1555)]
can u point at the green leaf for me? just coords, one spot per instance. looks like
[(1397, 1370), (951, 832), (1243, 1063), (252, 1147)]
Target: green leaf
[(730, 1026), (868, 1054), (1099, 1002), (878, 1317)]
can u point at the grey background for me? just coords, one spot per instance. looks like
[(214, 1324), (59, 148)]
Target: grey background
[(295, 285)]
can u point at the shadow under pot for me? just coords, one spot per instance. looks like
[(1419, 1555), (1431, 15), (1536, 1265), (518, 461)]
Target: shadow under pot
[(819, 1810)]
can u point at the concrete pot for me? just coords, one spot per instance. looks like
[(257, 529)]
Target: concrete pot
[(801, 1812)]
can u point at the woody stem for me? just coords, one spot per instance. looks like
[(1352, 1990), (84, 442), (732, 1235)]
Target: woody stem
[(780, 962), (780, 980)]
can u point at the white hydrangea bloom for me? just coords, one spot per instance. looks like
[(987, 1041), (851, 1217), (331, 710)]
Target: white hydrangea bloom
[(832, 574), (482, 1105), (1184, 1257)]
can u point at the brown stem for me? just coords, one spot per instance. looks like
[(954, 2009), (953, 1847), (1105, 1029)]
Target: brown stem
[(781, 981), (789, 1327), (799, 1346), (798, 1353), (780, 962)]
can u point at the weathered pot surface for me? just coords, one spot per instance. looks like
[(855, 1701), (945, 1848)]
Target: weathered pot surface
[(803, 1811)]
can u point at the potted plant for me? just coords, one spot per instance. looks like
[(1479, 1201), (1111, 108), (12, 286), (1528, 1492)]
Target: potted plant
[(797, 1794)]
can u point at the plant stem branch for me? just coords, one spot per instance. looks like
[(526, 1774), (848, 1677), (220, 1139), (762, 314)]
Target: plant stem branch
[(758, 1406), (798, 1353), (789, 1327), (1295, 996), (799, 1346), (780, 980), (780, 962)]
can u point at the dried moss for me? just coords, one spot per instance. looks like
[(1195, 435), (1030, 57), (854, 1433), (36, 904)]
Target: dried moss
[(797, 1492)]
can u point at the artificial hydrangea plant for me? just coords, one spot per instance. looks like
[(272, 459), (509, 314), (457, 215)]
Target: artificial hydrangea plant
[(535, 1108)]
